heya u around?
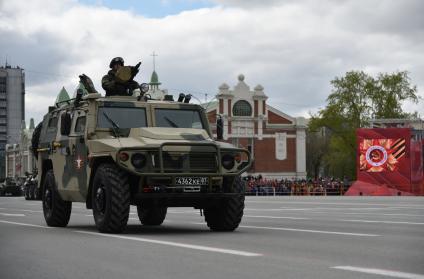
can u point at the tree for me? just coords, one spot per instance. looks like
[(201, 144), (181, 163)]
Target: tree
[(355, 99)]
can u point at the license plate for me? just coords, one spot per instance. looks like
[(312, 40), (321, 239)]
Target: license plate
[(191, 181)]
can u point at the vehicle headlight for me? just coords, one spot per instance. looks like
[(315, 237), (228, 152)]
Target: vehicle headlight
[(227, 161), (138, 160)]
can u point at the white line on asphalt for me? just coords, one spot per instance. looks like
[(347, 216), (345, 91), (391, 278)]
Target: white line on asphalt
[(311, 231), (34, 204), (24, 224), (383, 272), (301, 230), (276, 217), (177, 244), (382, 222), (412, 206), (371, 213), (12, 214), (26, 210)]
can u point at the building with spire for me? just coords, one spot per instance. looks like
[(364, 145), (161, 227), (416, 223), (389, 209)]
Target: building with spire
[(276, 140), (154, 91)]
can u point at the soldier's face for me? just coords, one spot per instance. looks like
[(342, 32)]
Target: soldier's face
[(116, 67)]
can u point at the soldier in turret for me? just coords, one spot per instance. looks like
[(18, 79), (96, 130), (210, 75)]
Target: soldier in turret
[(113, 85)]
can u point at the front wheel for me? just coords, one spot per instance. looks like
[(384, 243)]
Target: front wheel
[(56, 211), (226, 216), (110, 198), (153, 216)]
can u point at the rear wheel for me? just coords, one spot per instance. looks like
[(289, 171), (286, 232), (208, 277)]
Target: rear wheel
[(56, 211), (226, 216), (153, 216), (110, 198)]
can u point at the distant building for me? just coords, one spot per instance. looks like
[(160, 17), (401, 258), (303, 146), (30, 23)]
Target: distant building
[(154, 91), (416, 123), (12, 108), (276, 140), (19, 158)]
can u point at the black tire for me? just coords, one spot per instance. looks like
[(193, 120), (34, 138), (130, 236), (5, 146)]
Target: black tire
[(56, 211), (227, 215), (110, 198), (151, 216)]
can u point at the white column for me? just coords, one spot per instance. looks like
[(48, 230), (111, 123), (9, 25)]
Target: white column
[(260, 127), (14, 164), (225, 128), (300, 153), (6, 157)]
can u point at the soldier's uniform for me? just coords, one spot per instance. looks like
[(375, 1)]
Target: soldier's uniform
[(115, 87)]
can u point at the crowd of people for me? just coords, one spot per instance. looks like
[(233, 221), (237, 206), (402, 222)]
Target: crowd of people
[(260, 186)]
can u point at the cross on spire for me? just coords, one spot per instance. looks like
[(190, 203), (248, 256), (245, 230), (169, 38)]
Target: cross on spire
[(154, 62)]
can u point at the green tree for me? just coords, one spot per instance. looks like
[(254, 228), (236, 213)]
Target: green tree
[(355, 99)]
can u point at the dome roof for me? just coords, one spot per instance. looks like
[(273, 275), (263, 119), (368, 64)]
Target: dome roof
[(62, 96), (154, 80)]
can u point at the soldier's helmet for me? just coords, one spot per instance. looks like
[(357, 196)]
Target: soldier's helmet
[(116, 60)]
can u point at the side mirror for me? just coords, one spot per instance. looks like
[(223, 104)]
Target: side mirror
[(65, 124), (219, 127)]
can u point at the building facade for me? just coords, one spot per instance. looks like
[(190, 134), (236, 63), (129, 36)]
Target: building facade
[(12, 108), (276, 140), (19, 158)]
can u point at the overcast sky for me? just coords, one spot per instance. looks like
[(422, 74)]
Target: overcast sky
[(292, 48)]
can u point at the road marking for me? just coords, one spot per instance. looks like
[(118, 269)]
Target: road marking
[(25, 210), (419, 206), (311, 231), (12, 214), (384, 272), (300, 230), (276, 217), (383, 222), (371, 213), (24, 224), (177, 244)]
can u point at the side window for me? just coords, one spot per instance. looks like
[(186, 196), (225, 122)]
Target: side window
[(53, 123), (80, 125)]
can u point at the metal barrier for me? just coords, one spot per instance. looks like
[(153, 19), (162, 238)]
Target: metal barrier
[(296, 190)]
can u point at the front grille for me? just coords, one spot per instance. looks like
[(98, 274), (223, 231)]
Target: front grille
[(189, 162)]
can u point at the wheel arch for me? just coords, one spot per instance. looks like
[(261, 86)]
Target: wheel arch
[(95, 164), (46, 166)]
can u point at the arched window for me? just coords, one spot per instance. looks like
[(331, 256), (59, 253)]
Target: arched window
[(242, 108)]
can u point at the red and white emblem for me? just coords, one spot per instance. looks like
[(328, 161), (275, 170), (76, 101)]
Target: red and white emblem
[(79, 163)]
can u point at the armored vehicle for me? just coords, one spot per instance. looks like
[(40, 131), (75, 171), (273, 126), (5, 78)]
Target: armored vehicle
[(113, 152), (10, 186)]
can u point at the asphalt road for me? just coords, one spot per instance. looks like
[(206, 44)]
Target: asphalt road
[(280, 237)]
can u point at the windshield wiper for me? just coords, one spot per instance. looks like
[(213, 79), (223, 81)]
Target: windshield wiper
[(115, 127), (170, 122)]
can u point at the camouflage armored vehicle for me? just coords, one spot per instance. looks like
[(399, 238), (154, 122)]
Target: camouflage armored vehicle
[(113, 152)]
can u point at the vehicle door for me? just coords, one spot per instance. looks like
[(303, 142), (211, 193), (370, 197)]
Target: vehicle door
[(75, 176), (59, 152)]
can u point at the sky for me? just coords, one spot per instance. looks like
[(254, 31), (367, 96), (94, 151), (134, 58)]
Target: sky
[(292, 48)]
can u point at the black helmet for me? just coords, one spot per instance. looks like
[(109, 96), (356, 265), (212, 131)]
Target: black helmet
[(116, 60)]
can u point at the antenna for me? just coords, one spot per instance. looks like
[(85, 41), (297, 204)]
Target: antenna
[(154, 62)]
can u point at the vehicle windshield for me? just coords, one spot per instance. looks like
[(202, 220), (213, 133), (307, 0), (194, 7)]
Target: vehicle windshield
[(122, 117), (177, 118)]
